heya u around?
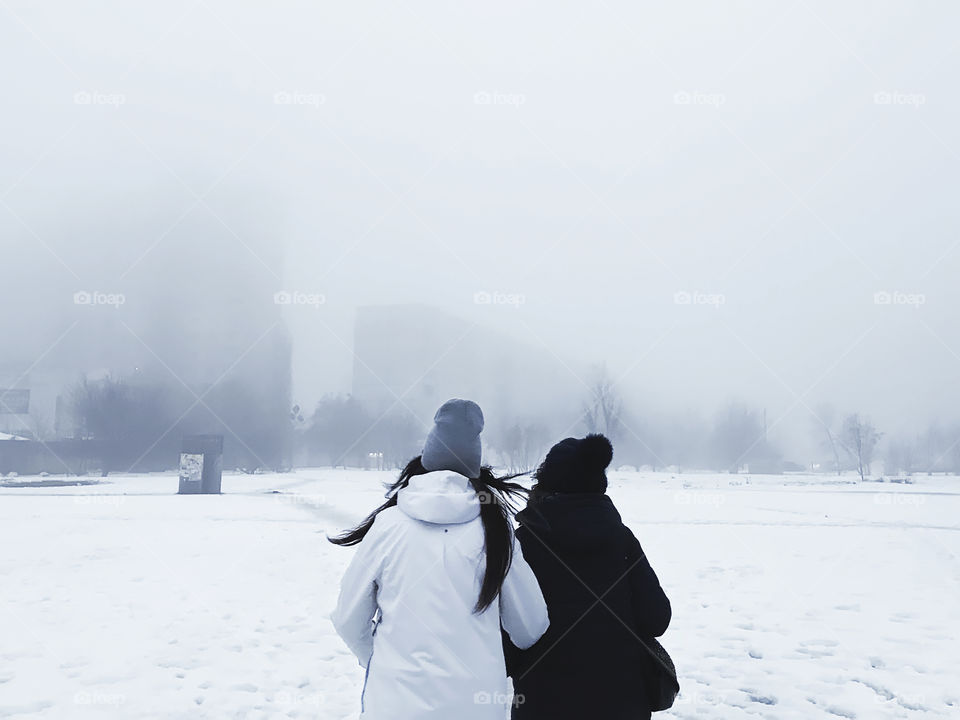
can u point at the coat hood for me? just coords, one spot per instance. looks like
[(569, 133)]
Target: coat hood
[(441, 497), (574, 520)]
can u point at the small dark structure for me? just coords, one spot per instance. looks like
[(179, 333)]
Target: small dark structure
[(201, 464)]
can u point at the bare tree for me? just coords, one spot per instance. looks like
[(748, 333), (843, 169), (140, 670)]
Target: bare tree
[(900, 456), (825, 418), (738, 437), (397, 437), (340, 431), (603, 408), (126, 421), (521, 444), (860, 438)]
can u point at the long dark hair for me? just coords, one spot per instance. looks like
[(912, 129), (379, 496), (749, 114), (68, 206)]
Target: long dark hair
[(499, 497)]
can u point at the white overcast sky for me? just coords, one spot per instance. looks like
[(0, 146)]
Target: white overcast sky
[(794, 158)]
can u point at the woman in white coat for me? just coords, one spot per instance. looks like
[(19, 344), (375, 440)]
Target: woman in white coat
[(435, 575)]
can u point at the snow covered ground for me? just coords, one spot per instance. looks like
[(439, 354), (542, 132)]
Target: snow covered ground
[(794, 597)]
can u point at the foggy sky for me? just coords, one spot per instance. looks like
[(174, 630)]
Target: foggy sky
[(592, 160)]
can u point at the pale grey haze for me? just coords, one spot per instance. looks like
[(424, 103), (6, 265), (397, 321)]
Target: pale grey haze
[(745, 201)]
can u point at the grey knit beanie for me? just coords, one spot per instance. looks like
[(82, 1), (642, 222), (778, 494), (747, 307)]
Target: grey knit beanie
[(454, 441)]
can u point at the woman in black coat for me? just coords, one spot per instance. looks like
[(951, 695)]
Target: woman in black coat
[(602, 595)]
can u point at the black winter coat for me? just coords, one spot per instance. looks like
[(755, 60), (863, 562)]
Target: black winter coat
[(589, 665)]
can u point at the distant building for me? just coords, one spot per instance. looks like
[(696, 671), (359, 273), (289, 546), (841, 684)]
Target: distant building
[(198, 318)]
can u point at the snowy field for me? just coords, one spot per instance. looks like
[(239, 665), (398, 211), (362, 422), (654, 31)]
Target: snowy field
[(793, 596)]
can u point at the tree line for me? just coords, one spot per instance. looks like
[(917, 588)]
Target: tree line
[(136, 425)]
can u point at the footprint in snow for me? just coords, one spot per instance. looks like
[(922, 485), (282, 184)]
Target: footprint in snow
[(814, 653), (881, 691)]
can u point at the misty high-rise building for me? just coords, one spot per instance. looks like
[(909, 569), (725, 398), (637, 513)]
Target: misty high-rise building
[(414, 357)]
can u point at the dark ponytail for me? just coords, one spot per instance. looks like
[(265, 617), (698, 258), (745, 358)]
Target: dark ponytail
[(353, 537), (499, 499)]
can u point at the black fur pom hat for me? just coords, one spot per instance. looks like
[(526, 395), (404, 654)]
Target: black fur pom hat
[(576, 466)]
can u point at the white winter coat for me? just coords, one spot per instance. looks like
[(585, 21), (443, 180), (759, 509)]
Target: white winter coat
[(406, 608)]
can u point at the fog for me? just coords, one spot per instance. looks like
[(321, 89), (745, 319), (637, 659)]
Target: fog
[(710, 203)]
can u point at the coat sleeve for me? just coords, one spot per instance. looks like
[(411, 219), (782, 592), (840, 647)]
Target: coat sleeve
[(650, 603), (353, 617), (523, 611)]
